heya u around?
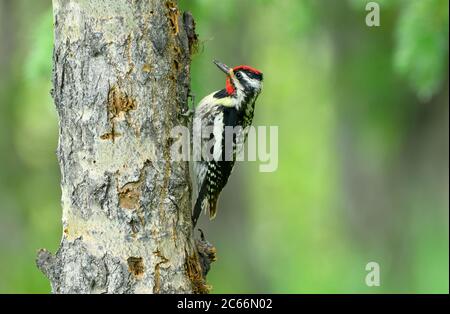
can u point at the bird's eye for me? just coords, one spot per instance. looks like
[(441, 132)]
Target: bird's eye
[(239, 75)]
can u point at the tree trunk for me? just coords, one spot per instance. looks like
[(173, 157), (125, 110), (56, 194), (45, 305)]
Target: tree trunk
[(120, 83)]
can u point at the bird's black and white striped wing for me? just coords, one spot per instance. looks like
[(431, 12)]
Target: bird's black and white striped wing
[(203, 121), (214, 167)]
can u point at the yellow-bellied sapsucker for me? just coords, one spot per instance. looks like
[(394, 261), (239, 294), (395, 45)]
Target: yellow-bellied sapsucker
[(221, 122)]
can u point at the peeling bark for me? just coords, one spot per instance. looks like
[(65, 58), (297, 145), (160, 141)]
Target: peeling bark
[(120, 83)]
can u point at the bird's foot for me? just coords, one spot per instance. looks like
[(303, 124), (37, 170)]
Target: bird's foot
[(188, 113)]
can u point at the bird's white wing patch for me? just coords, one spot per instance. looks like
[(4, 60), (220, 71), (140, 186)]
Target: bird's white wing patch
[(206, 115), (200, 169), (218, 134)]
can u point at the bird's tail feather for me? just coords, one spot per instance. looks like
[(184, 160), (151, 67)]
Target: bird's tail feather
[(199, 203), (212, 208), (205, 203)]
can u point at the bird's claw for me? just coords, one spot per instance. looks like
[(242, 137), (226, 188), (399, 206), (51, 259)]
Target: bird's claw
[(188, 113)]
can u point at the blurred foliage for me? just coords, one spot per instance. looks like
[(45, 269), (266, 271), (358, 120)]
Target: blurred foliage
[(422, 44), (421, 35), (37, 65), (363, 157)]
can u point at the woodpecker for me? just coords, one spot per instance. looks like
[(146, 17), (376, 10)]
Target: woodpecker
[(231, 107)]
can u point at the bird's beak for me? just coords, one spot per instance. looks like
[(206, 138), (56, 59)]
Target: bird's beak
[(223, 67)]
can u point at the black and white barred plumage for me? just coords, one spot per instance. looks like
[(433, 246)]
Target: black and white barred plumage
[(232, 106)]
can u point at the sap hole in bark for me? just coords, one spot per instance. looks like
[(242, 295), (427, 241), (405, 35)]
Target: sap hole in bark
[(176, 64), (130, 195), (173, 16), (177, 52), (147, 68), (136, 266), (110, 136), (119, 101), (118, 107)]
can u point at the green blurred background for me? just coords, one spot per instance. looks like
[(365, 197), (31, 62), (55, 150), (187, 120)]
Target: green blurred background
[(363, 116)]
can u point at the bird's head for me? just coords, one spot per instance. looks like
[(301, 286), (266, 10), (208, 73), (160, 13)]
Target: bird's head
[(242, 78)]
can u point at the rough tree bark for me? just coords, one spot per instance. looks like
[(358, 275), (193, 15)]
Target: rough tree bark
[(121, 82)]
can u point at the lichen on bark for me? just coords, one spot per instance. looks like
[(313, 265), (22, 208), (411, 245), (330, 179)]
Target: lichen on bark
[(121, 80)]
